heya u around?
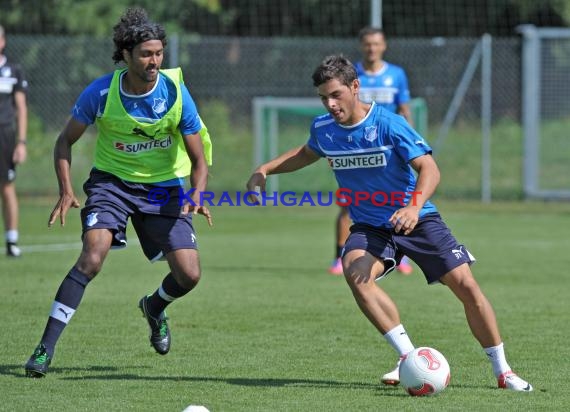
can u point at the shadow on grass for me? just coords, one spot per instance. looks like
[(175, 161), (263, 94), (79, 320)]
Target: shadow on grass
[(98, 373), (272, 382), (91, 373), (266, 382), (255, 382), (18, 370)]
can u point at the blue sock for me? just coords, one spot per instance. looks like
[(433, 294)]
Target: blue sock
[(64, 306), (167, 293)]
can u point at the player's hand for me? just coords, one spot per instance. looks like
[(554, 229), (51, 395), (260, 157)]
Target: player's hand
[(198, 210), (20, 154), (256, 183), (65, 202), (405, 219)]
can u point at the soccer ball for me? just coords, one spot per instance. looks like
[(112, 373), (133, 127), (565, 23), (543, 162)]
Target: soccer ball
[(424, 371), (195, 408)]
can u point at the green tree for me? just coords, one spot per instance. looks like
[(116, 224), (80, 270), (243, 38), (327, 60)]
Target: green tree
[(92, 17)]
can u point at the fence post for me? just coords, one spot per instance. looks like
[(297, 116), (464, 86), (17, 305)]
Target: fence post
[(530, 106), (173, 50), (376, 13), (486, 117)]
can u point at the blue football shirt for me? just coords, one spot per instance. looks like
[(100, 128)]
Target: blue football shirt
[(91, 103), (388, 87), (371, 158)]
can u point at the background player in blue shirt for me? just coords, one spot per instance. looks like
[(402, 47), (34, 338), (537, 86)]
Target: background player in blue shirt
[(387, 85), (381, 81), (375, 152)]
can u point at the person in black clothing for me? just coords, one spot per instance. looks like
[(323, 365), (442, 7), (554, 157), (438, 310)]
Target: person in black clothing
[(13, 129)]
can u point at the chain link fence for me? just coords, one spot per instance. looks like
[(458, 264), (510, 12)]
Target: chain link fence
[(225, 73)]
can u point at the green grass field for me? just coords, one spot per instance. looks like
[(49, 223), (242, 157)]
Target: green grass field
[(268, 329)]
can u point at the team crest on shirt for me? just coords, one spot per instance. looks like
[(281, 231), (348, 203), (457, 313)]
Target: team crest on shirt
[(388, 81), (6, 72), (159, 105), (370, 133)]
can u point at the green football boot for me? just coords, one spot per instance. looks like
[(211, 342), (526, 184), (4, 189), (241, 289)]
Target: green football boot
[(159, 331)]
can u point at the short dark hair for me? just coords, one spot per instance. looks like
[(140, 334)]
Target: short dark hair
[(368, 30), (134, 28), (335, 67)]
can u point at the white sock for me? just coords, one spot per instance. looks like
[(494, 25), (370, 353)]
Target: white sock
[(164, 295), (398, 338), (12, 236), (496, 355)]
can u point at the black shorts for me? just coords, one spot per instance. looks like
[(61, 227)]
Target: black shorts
[(430, 245), (7, 146), (160, 228)]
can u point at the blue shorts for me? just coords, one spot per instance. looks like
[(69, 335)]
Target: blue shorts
[(160, 228), (430, 245)]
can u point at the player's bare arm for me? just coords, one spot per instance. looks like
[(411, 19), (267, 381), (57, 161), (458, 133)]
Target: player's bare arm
[(72, 131), (294, 159), (198, 175), (407, 217), (404, 110), (20, 151)]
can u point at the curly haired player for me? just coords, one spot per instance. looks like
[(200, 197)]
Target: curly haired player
[(149, 139)]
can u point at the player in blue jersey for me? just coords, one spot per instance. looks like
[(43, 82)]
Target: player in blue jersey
[(387, 85), (13, 139), (380, 81), (375, 156), (149, 139)]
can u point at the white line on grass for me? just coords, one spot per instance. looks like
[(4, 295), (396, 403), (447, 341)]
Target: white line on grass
[(57, 247), (52, 247)]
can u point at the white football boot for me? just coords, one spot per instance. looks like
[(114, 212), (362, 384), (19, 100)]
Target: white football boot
[(510, 380), (392, 378)]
